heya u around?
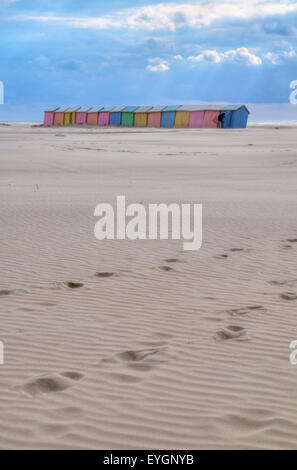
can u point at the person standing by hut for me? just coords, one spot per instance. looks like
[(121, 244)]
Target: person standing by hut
[(221, 120)]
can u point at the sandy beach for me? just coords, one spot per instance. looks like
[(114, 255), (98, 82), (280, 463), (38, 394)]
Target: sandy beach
[(140, 344)]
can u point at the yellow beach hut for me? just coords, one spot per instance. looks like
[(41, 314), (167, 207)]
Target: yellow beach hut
[(141, 116), (70, 116), (182, 117)]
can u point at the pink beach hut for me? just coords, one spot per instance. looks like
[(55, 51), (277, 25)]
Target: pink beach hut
[(103, 119), (49, 116), (81, 115)]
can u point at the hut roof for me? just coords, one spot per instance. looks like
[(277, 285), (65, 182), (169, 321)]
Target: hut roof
[(106, 109), (118, 109), (234, 107), (62, 110), (193, 107), (212, 107), (96, 109), (201, 107), (85, 110), (51, 110), (130, 109), (73, 110), (143, 109), (171, 108), (157, 109)]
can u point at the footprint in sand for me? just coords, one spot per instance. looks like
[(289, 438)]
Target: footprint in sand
[(50, 383), (74, 285), (104, 274), (289, 283), (136, 361), (278, 283), (5, 292), (166, 268), (171, 260), (237, 250), (221, 256), (288, 296), (238, 312), (287, 243), (230, 332), (153, 355)]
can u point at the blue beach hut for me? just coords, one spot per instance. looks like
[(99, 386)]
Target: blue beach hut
[(115, 117), (168, 116), (236, 116)]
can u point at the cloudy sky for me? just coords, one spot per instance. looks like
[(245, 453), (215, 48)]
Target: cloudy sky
[(144, 52)]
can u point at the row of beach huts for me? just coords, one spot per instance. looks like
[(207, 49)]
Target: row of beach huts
[(183, 116)]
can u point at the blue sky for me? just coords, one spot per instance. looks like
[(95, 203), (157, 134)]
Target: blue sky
[(122, 52)]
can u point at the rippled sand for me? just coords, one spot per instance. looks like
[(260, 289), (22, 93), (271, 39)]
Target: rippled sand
[(139, 344)]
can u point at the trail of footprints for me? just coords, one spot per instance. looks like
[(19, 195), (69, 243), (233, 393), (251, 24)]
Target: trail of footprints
[(131, 365), (237, 332), (232, 250), (126, 367)]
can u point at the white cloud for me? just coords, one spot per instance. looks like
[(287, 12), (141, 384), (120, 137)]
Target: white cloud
[(157, 64), (158, 68), (277, 58), (208, 55), (174, 15), (241, 54), (178, 57)]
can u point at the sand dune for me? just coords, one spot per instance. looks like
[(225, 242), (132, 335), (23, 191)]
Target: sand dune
[(140, 344)]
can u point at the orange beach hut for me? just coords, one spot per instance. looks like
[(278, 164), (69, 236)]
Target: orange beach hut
[(211, 114), (59, 116), (154, 116), (93, 116)]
